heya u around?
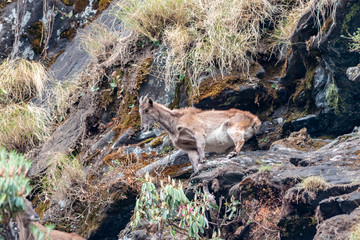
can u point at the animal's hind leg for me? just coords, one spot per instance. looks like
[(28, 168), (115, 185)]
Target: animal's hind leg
[(238, 137), (194, 159)]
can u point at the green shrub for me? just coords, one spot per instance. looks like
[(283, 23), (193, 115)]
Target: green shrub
[(355, 44), (13, 186), (168, 207)]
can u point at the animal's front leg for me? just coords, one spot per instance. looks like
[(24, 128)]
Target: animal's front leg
[(238, 138), (194, 159)]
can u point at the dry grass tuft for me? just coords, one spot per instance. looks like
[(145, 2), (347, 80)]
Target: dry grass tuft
[(66, 181), (21, 80), (202, 36), (64, 177), (287, 24), (98, 39), (314, 184), (65, 95), (23, 126), (290, 16), (355, 233)]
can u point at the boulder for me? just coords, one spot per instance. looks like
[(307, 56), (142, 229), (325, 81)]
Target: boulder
[(332, 95)]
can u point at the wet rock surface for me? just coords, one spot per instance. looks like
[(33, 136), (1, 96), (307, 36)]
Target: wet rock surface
[(327, 86)]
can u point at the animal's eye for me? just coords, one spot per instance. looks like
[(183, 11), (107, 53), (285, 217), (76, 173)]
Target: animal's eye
[(146, 110)]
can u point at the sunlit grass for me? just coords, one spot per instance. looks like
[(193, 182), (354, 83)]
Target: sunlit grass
[(202, 36), (20, 80), (22, 127), (314, 184)]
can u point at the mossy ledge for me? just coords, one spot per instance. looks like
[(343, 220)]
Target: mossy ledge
[(37, 35), (213, 87)]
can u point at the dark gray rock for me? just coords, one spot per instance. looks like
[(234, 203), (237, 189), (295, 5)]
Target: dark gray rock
[(103, 142), (338, 227), (126, 138), (260, 73), (343, 204), (334, 94), (251, 96), (353, 73), (31, 12), (155, 85)]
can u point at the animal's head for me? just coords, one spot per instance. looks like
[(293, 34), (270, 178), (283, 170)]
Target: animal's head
[(29, 213), (146, 110)]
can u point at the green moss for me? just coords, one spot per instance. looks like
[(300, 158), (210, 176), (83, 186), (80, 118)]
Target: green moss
[(306, 84), (212, 87), (333, 97), (353, 13), (42, 207), (68, 2), (176, 102), (128, 114), (157, 142), (80, 5), (103, 4), (69, 34), (37, 35)]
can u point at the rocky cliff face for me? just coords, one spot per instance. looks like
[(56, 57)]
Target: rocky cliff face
[(316, 86)]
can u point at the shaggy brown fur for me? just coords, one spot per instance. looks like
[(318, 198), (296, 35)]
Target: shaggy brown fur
[(197, 131)]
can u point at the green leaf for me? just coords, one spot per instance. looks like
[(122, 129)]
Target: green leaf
[(213, 206), (274, 86), (2, 199), (195, 228), (182, 77), (172, 231), (3, 91), (94, 89), (113, 85)]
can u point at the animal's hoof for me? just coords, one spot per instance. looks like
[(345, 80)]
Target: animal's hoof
[(231, 155)]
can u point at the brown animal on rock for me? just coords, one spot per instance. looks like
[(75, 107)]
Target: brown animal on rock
[(197, 131)]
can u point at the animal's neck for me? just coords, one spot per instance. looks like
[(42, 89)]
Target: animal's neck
[(166, 118)]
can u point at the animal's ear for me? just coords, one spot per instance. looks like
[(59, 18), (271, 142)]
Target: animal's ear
[(151, 103)]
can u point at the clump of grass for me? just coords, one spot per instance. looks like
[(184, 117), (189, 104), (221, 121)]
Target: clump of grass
[(98, 39), (66, 181), (65, 95), (265, 168), (64, 177), (23, 126), (290, 16), (314, 184), (202, 36), (355, 233), (21, 80), (287, 24)]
